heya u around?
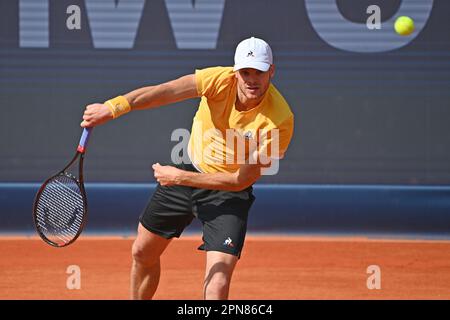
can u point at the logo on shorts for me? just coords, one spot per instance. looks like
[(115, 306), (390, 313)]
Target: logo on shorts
[(248, 135), (228, 243)]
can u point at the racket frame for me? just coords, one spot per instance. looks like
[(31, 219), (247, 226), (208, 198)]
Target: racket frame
[(80, 183)]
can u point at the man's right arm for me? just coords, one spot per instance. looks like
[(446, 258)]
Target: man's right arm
[(144, 98)]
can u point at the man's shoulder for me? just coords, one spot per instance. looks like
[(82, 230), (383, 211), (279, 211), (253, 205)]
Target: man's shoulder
[(214, 82), (278, 108)]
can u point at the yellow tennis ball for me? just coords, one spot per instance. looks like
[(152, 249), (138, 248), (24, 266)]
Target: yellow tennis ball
[(404, 26)]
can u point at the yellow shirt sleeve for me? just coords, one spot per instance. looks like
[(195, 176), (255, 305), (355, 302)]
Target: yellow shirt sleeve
[(275, 144), (211, 82)]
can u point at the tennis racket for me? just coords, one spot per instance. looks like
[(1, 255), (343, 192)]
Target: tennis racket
[(60, 206)]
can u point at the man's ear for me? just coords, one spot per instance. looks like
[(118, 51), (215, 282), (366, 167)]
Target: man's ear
[(272, 70)]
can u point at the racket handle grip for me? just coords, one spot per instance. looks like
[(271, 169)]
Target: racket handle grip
[(84, 140)]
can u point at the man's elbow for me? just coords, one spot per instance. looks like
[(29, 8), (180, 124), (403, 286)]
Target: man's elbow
[(238, 187), (243, 182)]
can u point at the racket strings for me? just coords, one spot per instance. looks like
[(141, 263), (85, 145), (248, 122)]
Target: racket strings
[(60, 217), (60, 209)]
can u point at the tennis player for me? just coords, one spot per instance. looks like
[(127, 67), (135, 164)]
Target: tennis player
[(215, 186)]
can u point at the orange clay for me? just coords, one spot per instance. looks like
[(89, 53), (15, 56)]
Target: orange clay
[(270, 268)]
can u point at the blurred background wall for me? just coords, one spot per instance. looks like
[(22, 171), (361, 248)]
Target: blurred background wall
[(371, 107)]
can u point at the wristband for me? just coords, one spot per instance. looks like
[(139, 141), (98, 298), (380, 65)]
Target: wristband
[(118, 106)]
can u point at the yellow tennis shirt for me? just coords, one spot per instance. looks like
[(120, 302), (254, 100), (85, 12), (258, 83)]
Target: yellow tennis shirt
[(222, 138)]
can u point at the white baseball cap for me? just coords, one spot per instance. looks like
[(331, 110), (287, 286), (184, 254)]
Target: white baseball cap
[(253, 53)]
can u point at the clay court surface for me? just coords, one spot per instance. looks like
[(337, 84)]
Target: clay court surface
[(270, 268)]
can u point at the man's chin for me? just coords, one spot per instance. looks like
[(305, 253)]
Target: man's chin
[(253, 95)]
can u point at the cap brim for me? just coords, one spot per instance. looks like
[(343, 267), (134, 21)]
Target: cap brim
[(261, 66)]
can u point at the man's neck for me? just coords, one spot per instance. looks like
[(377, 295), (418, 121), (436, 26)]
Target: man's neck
[(243, 104)]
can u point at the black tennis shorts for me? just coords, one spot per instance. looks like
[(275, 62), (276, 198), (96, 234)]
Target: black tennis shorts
[(223, 214)]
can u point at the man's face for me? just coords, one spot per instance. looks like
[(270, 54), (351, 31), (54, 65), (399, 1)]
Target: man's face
[(253, 83)]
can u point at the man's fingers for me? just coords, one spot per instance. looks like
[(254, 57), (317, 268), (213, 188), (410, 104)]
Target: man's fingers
[(157, 174)]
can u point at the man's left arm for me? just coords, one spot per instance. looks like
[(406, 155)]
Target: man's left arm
[(239, 180)]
